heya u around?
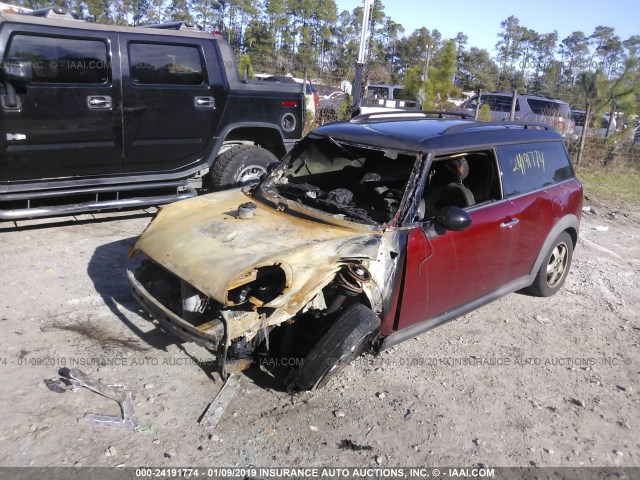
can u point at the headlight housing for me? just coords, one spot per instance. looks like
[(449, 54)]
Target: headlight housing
[(259, 286)]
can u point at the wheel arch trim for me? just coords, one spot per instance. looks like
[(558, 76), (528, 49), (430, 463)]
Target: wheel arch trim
[(569, 224)]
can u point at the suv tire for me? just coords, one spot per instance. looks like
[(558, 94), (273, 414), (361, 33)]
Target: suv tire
[(346, 339), (555, 267), (240, 165)]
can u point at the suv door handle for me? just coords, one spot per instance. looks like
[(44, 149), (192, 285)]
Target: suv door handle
[(510, 223), (99, 102), (205, 102)]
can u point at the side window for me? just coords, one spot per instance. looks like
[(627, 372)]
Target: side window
[(463, 180), (532, 166), (164, 64), (380, 92), (499, 103), (62, 60)]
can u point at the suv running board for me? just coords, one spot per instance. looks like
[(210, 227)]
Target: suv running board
[(52, 203)]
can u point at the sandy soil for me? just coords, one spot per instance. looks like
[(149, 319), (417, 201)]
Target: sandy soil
[(497, 387)]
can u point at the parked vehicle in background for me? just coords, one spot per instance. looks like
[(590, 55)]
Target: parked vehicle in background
[(367, 234), (384, 90), (100, 117), (382, 97), (597, 126), (330, 107), (529, 108)]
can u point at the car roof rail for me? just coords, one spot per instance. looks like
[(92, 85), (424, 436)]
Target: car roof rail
[(408, 115), (523, 125), (184, 25), (52, 12)]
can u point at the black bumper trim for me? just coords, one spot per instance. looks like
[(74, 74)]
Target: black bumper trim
[(168, 320)]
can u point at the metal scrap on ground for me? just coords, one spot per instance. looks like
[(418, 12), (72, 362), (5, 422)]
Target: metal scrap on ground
[(119, 393), (214, 412)]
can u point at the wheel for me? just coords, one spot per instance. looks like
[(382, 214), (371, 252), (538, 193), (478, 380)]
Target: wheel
[(346, 339), (240, 165), (555, 267)]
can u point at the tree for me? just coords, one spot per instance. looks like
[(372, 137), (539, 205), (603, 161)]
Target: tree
[(573, 51), (477, 70), (439, 87)]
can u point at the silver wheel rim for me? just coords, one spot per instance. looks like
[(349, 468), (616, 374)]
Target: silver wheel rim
[(250, 174), (557, 265)]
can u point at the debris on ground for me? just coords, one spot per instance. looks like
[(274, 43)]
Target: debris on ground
[(600, 228), (348, 444), (543, 320), (214, 411), (78, 379)]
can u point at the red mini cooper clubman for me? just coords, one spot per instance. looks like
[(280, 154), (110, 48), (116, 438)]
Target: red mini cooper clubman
[(368, 233)]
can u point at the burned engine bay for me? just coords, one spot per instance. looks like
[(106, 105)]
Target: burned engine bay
[(264, 272), (362, 184)]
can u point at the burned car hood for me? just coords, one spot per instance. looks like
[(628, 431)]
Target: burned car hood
[(202, 241)]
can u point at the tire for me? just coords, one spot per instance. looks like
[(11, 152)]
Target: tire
[(346, 339), (555, 267), (240, 165)]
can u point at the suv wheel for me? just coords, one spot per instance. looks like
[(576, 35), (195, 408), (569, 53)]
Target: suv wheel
[(555, 267), (346, 339), (240, 165)]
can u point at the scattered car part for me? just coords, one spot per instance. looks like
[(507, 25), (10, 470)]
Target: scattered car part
[(119, 393), (214, 411)]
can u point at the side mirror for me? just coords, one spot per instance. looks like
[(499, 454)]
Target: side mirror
[(17, 70), (453, 218)]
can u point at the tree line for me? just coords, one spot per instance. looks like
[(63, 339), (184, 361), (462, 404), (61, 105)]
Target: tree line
[(294, 36)]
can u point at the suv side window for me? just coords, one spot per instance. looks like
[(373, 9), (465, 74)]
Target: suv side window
[(499, 103), (532, 166), (165, 64), (62, 60)]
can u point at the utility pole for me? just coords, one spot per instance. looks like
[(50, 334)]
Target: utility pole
[(364, 34)]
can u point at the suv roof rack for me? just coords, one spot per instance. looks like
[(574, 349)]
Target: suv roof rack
[(524, 125), (184, 25), (52, 12), (400, 115)]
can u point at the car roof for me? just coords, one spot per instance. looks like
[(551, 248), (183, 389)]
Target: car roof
[(410, 132), (525, 95), (82, 25)]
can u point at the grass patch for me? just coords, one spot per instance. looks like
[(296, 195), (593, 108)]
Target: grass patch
[(611, 185)]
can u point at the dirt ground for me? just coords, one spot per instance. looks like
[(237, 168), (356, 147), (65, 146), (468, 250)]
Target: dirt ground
[(523, 381)]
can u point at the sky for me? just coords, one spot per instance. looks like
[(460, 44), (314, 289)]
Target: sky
[(480, 21)]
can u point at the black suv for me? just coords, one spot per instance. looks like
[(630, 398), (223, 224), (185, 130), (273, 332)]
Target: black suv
[(96, 116)]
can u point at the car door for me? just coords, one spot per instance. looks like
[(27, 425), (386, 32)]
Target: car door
[(532, 175), (171, 102), (447, 269), (67, 119)]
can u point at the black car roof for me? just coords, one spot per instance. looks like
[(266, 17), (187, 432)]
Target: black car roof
[(427, 134)]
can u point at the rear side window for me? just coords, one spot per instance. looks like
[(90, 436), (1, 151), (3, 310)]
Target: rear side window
[(164, 64), (551, 109), (62, 60), (532, 166)]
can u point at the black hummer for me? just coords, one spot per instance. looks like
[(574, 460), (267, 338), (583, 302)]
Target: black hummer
[(95, 117)]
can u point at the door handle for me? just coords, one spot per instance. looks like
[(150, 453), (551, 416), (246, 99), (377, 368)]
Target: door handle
[(205, 102), (510, 223), (99, 102)]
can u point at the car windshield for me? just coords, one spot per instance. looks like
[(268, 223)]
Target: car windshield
[(361, 184)]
